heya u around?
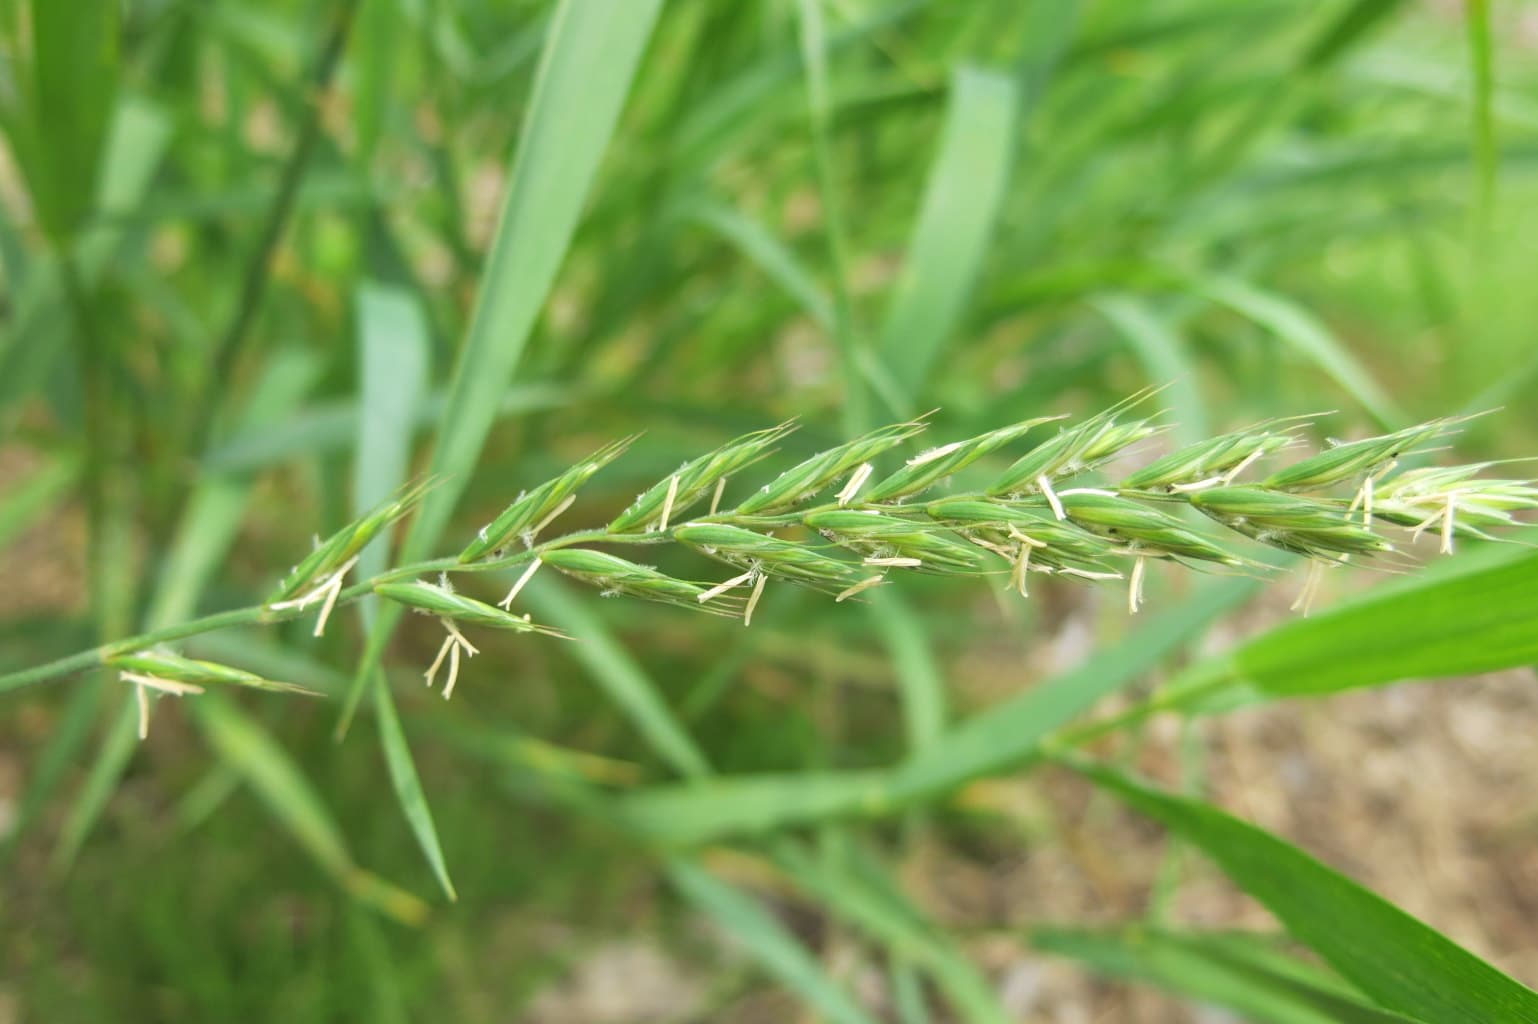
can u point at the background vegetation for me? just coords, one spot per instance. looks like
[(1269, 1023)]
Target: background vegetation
[(265, 260)]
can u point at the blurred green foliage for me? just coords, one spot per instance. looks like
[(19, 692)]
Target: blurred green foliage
[(263, 261)]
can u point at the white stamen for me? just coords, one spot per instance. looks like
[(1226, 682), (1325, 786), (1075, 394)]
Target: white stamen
[(856, 481), (1023, 539), (1086, 574), (1447, 526), (935, 453), (1363, 495), (1135, 586), (452, 645), (1420, 527), (667, 503), (1200, 485), (1051, 496), (715, 499), (1245, 463), (532, 532), (327, 591), (143, 684), (432, 670), (865, 584), (448, 687), (1022, 564), (171, 686), (998, 549), (1102, 492), (1305, 600), (528, 574), (907, 563), (333, 591), (721, 588), (459, 637), (758, 590)]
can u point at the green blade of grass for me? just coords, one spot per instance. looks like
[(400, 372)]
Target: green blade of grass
[(622, 680), (993, 741), (331, 427), (812, 38), (962, 197), (771, 255), (1244, 973), (69, 97), (207, 529), (392, 351), (767, 941), (100, 783), (1163, 354), (273, 776), (861, 892), (1486, 153), (585, 72), (1391, 957), (1471, 618), (1300, 331), (38, 493), (392, 372), (1011, 732), (1347, 29), (918, 676)]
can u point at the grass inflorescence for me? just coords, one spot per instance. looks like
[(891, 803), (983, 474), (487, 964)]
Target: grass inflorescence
[(1051, 511)]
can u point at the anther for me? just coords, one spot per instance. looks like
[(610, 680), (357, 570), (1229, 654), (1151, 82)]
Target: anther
[(856, 481), (1051, 496), (758, 591), (721, 588), (667, 503), (528, 574), (863, 585), (935, 453), (533, 531)]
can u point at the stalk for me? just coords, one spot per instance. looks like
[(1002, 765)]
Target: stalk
[(1035, 517)]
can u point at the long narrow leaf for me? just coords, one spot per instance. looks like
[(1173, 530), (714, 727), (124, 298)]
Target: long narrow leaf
[(585, 72), (392, 339), (767, 941), (1473, 619), (1390, 956), (1244, 973), (962, 197)]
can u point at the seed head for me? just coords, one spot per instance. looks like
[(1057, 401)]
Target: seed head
[(619, 576), (165, 665), (798, 562), (1073, 450), (802, 481), (1352, 459), (342, 546), (1207, 460), (533, 510), (932, 467), (1306, 526), (1148, 530), (427, 597), (694, 480), (891, 540)]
